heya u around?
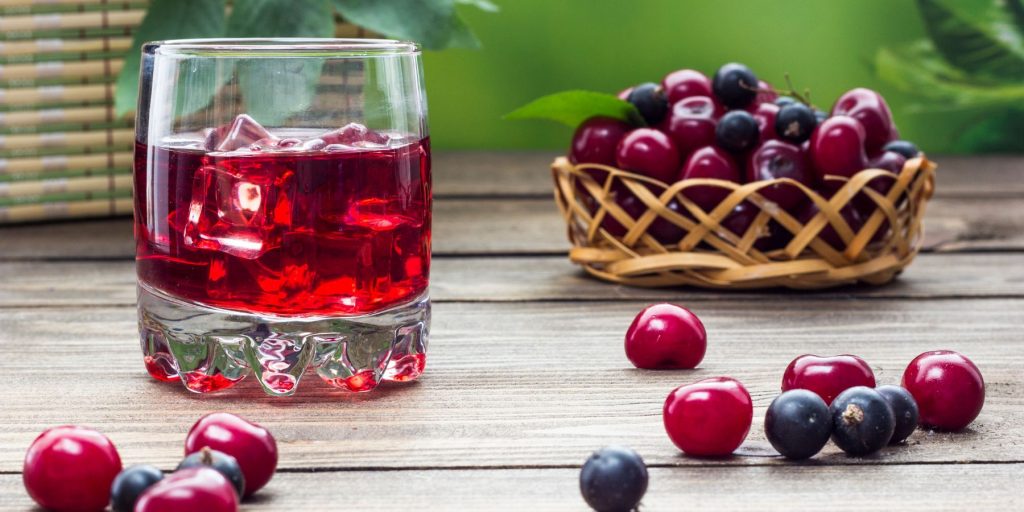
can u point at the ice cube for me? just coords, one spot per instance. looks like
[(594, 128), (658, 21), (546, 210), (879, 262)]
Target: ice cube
[(355, 134), (240, 133)]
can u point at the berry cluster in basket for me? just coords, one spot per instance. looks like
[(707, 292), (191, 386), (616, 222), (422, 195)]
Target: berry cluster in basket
[(77, 469), (737, 128)]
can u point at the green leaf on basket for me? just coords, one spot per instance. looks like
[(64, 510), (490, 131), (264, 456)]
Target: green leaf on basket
[(435, 24), (970, 45), (573, 107), (166, 19)]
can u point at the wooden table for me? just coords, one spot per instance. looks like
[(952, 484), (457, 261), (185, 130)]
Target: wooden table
[(526, 374)]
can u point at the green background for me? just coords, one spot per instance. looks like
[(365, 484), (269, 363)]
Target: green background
[(536, 47)]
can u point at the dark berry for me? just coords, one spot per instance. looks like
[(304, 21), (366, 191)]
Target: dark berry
[(649, 152), (197, 489), (862, 421), (782, 101), (71, 468), (685, 83), (798, 424), (666, 336), (709, 418), (650, 100), (869, 108), (596, 139), (776, 159), (904, 407), (906, 148), (130, 484), (222, 462), (737, 131), (794, 123), (948, 387), (250, 444), (613, 479), (735, 85), (827, 376)]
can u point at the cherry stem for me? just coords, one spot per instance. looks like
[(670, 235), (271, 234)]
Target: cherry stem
[(804, 98), (207, 456)]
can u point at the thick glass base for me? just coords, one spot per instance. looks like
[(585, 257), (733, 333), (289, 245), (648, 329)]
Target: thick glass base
[(210, 349)]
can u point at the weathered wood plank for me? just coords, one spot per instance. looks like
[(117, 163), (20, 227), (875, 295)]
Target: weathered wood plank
[(547, 278), (522, 384), (795, 487)]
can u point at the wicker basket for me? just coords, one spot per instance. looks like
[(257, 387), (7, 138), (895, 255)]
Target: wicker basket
[(708, 255)]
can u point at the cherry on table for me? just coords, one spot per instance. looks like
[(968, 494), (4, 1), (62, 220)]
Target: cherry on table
[(735, 85), (904, 408), (869, 108), (708, 418), (948, 387), (837, 147), (777, 159), (798, 424), (862, 421), (200, 488), (130, 484), (827, 376), (685, 83), (649, 152), (691, 123), (251, 445), (737, 131), (71, 469), (712, 163), (596, 139), (666, 336), (613, 479)]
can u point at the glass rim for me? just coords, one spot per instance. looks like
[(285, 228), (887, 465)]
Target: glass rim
[(284, 47)]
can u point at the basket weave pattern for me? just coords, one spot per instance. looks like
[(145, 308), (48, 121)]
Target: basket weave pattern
[(710, 256)]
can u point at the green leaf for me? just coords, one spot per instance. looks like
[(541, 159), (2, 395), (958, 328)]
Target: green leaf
[(1016, 10), (281, 18), (994, 132), (166, 19), (573, 107), (483, 5), (970, 46), (434, 24)]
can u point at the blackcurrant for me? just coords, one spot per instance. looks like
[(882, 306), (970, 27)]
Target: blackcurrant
[(129, 484), (904, 407), (222, 462), (798, 424), (794, 123), (903, 147), (782, 101), (613, 479), (735, 85), (862, 421), (649, 98), (737, 131)]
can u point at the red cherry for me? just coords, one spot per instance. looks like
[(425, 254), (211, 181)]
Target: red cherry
[(772, 236), (666, 336), (827, 376), (870, 109), (71, 469), (765, 93), (691, 123), (709, 162), (685, 83), (849, 213), (948, 388), (709, 418), (252, 445), (837, 147), (765, 114), (777, 159), (649, 152), (596, 139), (200, 488)]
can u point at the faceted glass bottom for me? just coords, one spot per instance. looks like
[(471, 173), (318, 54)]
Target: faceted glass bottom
[(210, 349)]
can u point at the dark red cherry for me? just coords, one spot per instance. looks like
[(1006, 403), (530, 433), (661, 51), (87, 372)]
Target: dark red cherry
[(596, 139), (71, 469), (666, 336), (765, 93), (837, 147), (649, 152), (827, 376), (709, 418), (250, 444), (849, 213), (765, 115), (772, 235), (685, 83), (201, 488), (870, 109), (691, 123), (661, 229), (709, 162), (776, 159), (948, 388)]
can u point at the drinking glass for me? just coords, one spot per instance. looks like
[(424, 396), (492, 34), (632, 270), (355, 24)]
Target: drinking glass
[(282, 212)]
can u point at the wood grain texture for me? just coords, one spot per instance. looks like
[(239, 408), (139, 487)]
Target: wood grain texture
[(530, 278), (512, 384)]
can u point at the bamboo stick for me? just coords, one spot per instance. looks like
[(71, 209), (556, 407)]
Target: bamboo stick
[(31, 165), (24, 96), (55, 45), (108, 137), (61, 70), (72, 20), (48, 3), (97, 114), (23, 189), (66, 210)]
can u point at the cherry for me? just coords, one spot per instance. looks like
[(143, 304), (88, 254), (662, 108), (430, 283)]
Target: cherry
[(737, 131), (870, 109), (862, 421), (130, 484), (827, 376), (190, 489), (782, 101), (849, 213), (891, 161), (596, 139), (666, 336), (765, 115), (222, 462), (905, 148), (613, 479), (649, 152), (777, 159), (794, 123), (251, 445), (649, 99), (691, 123), (685, 83), (904, 407), (661, 229), (709, 162), (765, 93), (71, 469), (772, 236), (837, 147), (798, 424), (735, 85), (948, 387), (709, 418)]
